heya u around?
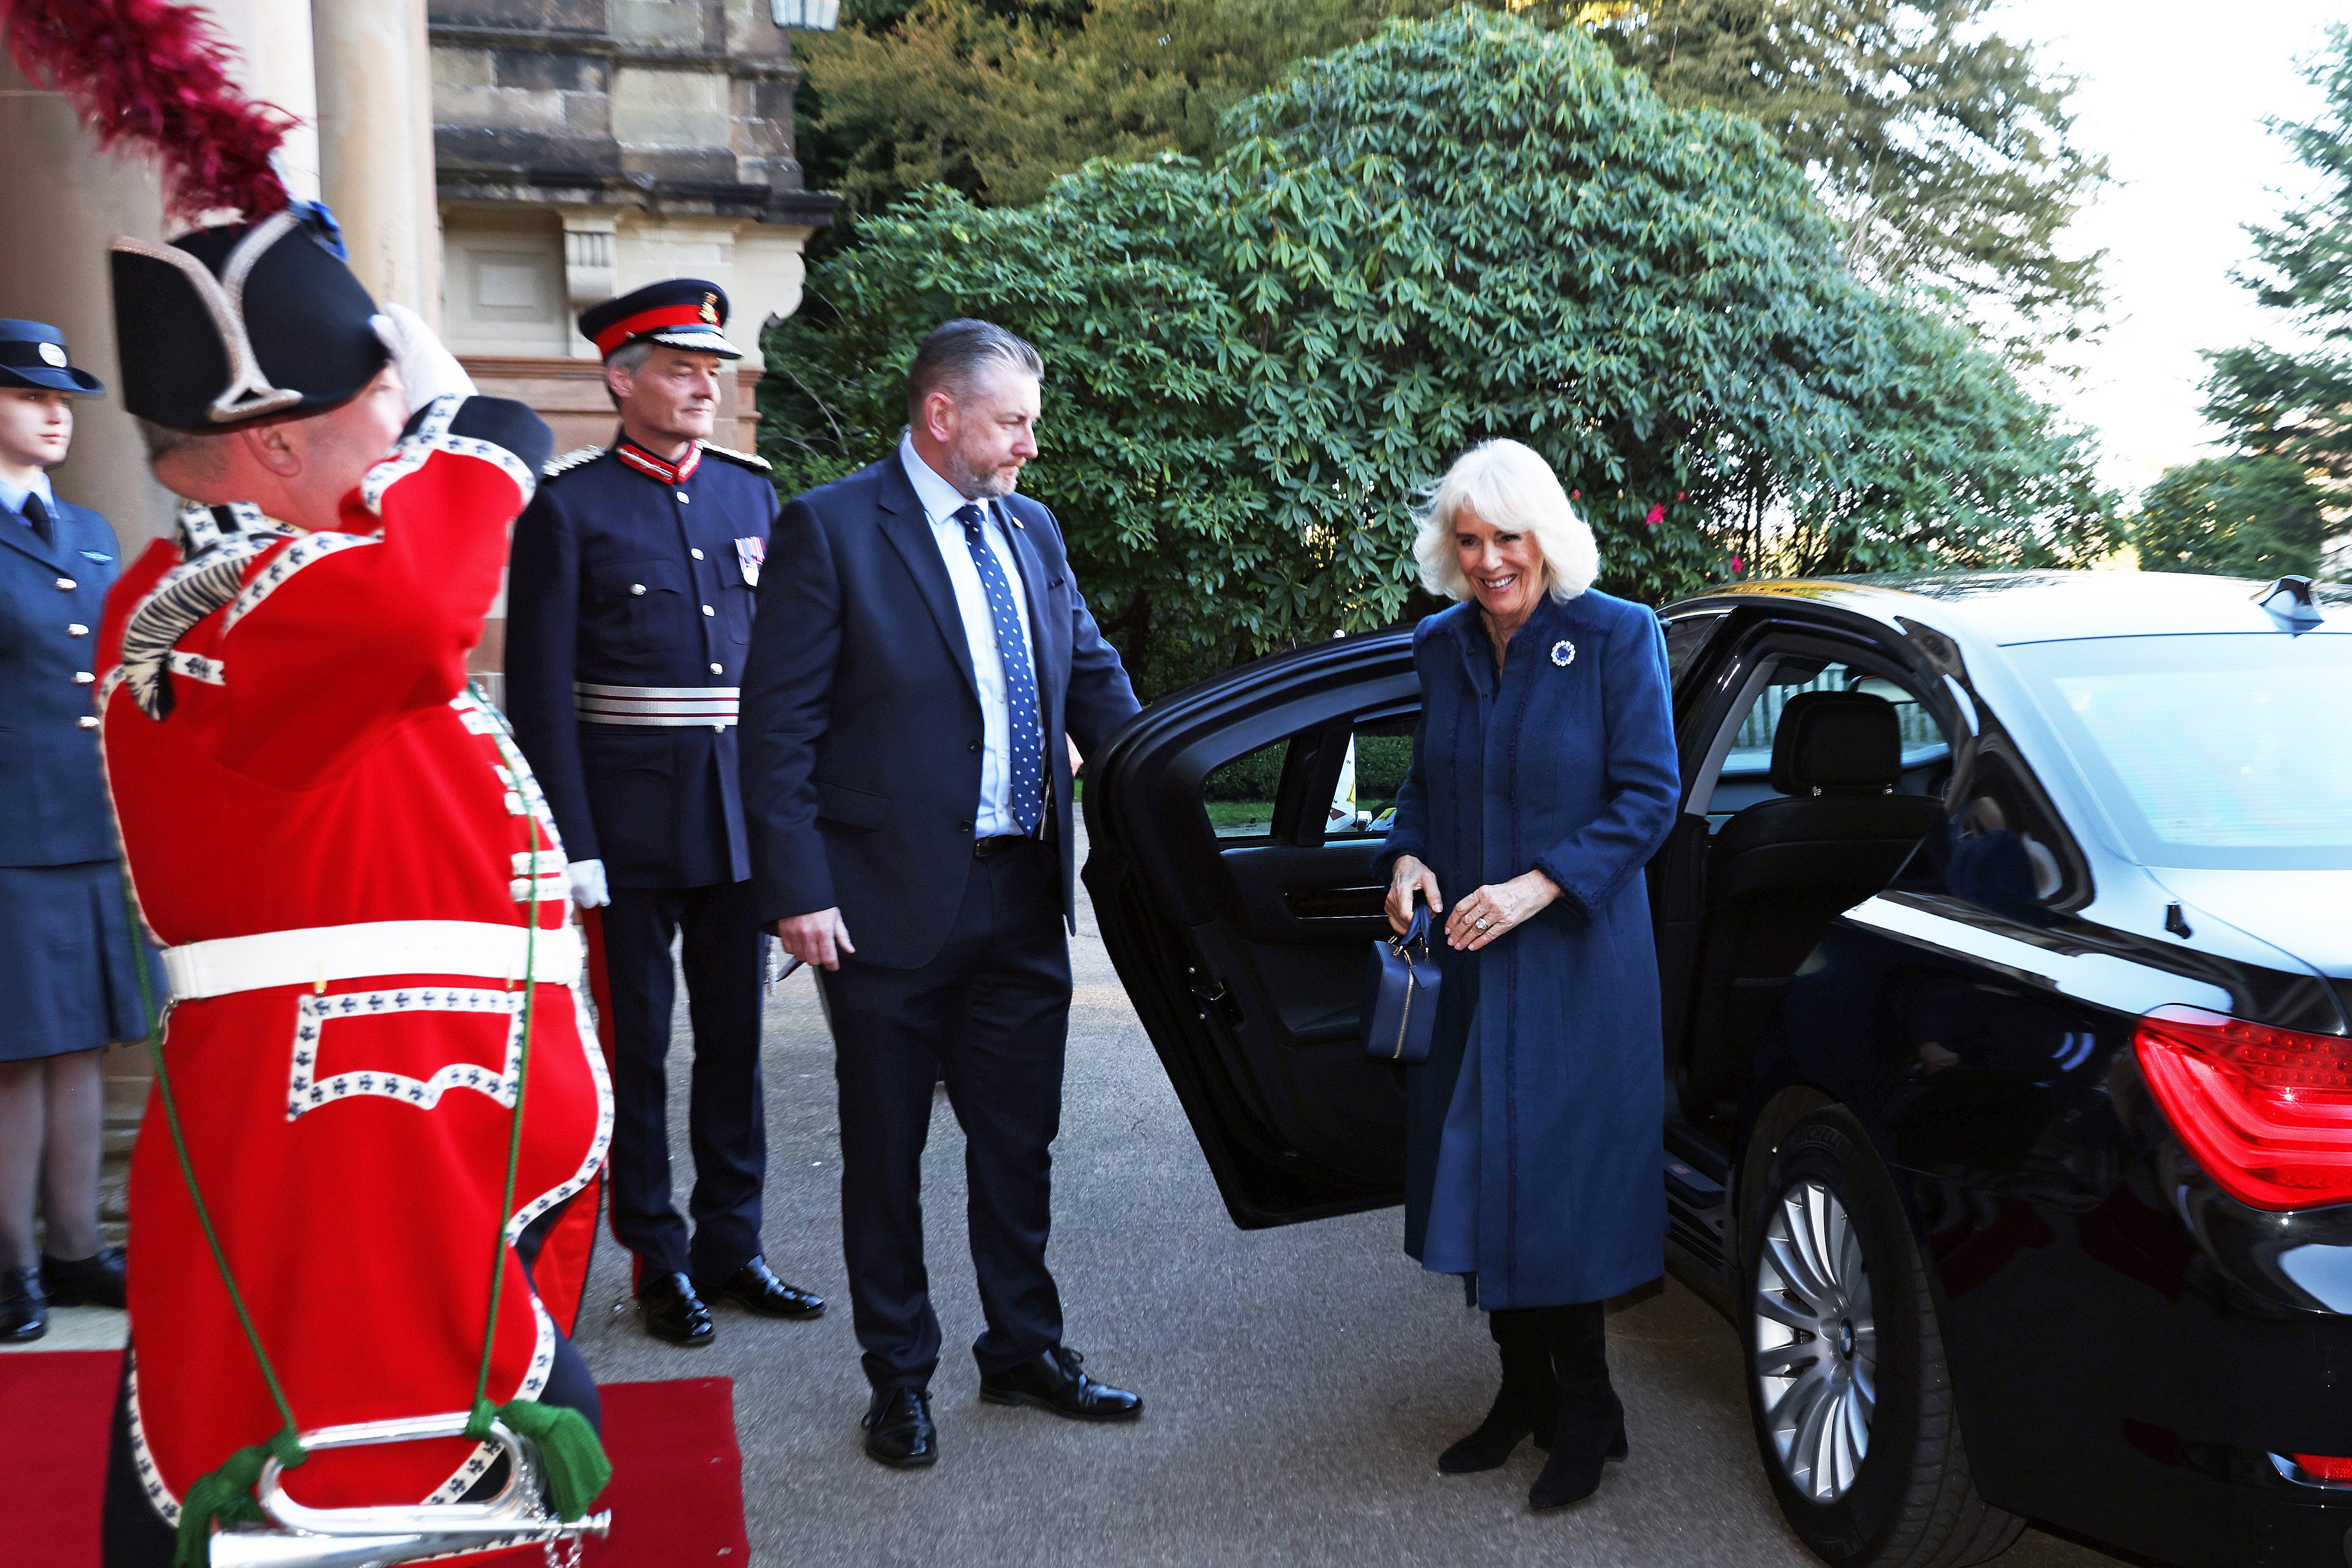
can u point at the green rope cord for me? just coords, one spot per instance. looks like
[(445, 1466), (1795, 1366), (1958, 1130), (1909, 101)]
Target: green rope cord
[(478, 1424)]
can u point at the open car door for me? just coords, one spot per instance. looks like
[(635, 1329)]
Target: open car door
[(1232, 828)]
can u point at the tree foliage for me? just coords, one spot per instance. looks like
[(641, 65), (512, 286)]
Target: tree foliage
[(2298, 405), (2235, 517), (1941, 147), (999, 98), (1466, 227)]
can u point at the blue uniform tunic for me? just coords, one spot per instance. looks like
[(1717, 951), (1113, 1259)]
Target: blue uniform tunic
[(621, 580), (66, 950)]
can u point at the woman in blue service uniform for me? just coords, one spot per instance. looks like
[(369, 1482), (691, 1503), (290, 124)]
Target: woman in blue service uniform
[(1543, 778), (68, 980)]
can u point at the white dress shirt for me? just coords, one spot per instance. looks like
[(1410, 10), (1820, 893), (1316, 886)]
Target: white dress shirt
[(12, 496), (940, 504)]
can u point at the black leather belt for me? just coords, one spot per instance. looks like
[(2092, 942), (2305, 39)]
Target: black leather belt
[(982, 848)]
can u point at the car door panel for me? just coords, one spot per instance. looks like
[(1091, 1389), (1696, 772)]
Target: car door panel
[(1244, 945)]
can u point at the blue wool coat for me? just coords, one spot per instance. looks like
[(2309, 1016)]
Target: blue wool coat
[(1564, 764)]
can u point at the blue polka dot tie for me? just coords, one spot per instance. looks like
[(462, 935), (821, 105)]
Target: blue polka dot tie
[(1020, 677)]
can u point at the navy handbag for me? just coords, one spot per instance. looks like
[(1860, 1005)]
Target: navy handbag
[(1400, 994)]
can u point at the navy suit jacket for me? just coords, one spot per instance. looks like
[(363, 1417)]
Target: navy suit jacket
[(53, 806), (861, 715)]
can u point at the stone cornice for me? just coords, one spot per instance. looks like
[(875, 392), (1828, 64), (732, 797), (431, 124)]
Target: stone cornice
[(605, 47)]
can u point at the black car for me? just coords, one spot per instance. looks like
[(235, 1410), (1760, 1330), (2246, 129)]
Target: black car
[(2009, 1068)]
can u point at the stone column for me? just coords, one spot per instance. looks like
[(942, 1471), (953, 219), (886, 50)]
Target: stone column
[(376, 145)]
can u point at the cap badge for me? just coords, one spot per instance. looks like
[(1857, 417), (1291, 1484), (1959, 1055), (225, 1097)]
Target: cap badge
[(710, 309), (53, 355), (1563, 653)]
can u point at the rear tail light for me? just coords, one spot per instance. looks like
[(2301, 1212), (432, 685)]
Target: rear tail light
[(2325, 1467), (2266, 1111)]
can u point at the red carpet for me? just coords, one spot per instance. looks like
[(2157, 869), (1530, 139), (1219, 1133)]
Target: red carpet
[(677, 1495)]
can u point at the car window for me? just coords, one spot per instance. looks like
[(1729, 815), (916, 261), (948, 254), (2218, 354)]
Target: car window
[(1686, 635), (1239, 795), (1741, 762), (1371, 771), (2209, 749)]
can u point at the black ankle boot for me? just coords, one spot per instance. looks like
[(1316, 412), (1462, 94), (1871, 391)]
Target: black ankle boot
[(23, 1311), (1591, 1428), (1525, 1405)]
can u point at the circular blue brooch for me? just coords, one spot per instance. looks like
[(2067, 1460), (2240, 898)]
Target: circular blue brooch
[(1563, 653)]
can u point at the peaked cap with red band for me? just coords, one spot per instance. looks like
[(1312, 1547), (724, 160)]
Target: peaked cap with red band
[(682, 313)]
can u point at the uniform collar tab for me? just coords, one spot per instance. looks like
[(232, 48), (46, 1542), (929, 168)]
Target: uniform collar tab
[(659, 469)]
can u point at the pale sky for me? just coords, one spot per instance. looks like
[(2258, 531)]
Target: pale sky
[(2174, 95)]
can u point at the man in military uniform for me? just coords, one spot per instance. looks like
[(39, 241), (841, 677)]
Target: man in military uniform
[(628, 614)]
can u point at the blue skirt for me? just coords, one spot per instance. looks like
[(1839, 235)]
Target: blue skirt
[(67, 959)]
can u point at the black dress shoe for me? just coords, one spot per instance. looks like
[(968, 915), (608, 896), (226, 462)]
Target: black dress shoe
[(1057, 1381), (673, 1311), (899, 1430), (755, 1287), (23, 1311), (94, 1281)]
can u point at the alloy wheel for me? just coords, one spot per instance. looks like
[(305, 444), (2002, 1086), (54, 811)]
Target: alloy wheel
[(1816, 1342)]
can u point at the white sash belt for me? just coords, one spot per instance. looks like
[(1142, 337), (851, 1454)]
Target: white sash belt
[(369, 951), (676, 707)]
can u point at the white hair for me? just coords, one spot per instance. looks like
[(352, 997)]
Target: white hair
[(1512, 486)]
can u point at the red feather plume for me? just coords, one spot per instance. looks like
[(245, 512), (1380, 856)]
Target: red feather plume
[(156, 73)]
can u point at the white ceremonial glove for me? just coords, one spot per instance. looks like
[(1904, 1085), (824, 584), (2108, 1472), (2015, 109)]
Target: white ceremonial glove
[(588, 890), (426, 368)]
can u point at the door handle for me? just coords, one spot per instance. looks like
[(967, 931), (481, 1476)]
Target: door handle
[(1336, 903)]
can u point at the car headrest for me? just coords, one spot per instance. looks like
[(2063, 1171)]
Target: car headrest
[(1836, 741)]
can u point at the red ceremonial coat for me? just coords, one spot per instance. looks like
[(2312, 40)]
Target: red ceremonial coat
[(318, 766)]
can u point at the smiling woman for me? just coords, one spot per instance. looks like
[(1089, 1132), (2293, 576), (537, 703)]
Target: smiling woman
[(1543, 778)]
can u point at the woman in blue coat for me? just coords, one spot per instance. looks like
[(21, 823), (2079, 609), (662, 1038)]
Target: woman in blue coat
[(1543, 778)]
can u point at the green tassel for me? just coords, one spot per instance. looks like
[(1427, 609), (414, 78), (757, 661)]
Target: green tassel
[(574, 1460), (225, 1497)]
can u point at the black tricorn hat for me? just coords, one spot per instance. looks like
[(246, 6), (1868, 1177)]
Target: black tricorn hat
[(230, 325), (32, 354)]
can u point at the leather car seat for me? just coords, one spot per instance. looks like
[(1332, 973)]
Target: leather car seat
[(1779, 871)]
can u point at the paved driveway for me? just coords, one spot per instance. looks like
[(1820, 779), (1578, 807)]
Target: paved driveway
[(1298, 1383)]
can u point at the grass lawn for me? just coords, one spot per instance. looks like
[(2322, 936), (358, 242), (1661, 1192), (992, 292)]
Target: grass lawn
[(1232, 818)]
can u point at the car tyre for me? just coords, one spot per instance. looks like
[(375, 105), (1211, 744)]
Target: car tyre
[(1847, 1385)]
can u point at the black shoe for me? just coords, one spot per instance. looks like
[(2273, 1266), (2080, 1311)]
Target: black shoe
[(1589, 1429), (753, 1285), (1579, 1453), (1054, 1381), (94, 1281), (1525, 1405), (673, 1311), (899, 1430), (23, 1311)]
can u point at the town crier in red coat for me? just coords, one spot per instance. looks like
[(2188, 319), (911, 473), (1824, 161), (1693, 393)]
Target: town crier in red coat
[(343, 853)]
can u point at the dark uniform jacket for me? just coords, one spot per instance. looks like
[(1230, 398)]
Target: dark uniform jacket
[(620, 580), (53, 809)]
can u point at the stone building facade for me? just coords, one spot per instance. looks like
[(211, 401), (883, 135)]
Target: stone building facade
[(586, 147)]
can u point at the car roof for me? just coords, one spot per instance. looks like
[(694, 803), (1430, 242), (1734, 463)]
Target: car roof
[(2005, 608)]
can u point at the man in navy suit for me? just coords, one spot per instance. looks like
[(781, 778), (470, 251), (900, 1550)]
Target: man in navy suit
[(67, 955), (920, 654)]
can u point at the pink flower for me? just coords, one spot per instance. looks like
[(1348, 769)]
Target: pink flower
[(1736, 567), (1658, 515), (1680, 494), (1576, 495)]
